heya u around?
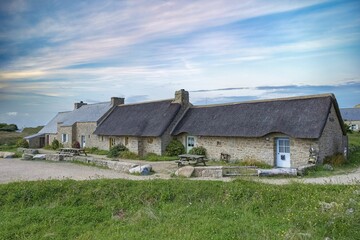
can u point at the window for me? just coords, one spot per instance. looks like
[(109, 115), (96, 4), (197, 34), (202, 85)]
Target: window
[(112, 142), (150, 140), (126, 141), (64, 138)]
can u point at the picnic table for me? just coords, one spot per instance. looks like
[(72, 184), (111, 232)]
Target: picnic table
[(191, 159), (72, 151)]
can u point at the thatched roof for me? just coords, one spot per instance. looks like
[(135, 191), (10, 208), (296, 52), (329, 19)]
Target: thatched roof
[(142, 119), (350, 114), (300, 117)]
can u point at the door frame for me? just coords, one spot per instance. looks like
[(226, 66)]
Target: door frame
[(278, 155), (82, 141)]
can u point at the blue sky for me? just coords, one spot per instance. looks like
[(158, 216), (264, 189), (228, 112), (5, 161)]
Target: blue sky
[(54, 53)]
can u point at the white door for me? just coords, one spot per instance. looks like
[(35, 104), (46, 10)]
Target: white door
[(283, 152), (83, 142), (190, 143)]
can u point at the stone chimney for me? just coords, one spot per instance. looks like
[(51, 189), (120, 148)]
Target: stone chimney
[(79, 104), (181, 97), (117, 101)]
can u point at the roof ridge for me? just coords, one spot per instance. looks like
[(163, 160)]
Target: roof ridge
[(145, 102), (268, 100)]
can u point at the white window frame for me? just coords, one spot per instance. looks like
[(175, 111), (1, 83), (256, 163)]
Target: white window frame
[(64, 138)]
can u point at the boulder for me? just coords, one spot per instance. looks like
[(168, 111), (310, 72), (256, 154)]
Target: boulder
[(54, 157), (277, 171), (27, 156), (9, 155), (143, 170), (40, 156), (328, 167), (186, 171)]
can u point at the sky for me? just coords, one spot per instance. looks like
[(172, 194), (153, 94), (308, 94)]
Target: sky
[(57, 52)]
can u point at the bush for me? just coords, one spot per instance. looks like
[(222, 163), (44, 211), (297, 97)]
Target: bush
[(255, 163), (55, 144), (198, 151), (174, 148), (22, 143), (76, 144), (116, 150), (335, 160), (128, 155)]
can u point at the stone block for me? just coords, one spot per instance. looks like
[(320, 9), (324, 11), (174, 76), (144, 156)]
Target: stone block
[(186, 171), (212, 172), (54, 157)]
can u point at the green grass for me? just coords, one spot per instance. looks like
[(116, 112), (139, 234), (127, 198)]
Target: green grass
[(177, 209)]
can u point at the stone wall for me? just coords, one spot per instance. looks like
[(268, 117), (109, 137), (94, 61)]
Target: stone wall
[(331, 140), (86, 129), (354, 122), (52, 137), (65, 130), (34, 142), (260, 149), (151, 145)]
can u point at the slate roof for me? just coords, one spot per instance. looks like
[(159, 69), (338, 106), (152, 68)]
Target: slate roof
[(51, 127), (300, 117), (149, 119), (350, 114), (87, 113)]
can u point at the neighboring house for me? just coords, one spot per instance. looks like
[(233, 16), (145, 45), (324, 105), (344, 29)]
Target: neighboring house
[(80, 124), (279, 132), (48, 133), (77, 125), (351, 117), (142, 127)]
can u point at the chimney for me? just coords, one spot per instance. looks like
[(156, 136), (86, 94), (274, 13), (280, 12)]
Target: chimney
[(79, 104), (117, 101), (181, 97)]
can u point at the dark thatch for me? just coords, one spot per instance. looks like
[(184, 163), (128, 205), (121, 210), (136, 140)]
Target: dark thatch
[(148, 119), (302, 117)]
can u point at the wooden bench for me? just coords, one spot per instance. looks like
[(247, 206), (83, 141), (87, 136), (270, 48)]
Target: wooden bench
[(191, 159)]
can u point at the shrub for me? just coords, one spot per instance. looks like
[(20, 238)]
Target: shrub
[(22, 143), (174, 148), (198, 151), (116, 150), (335, 160), (55, 144), (76, 144), (128, 155), (253, 162)]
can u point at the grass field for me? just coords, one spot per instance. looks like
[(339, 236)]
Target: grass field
[(177, 209)]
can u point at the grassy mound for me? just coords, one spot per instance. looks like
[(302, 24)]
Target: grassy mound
[(177, 209)]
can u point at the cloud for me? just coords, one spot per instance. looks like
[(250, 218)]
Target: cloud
[(11, 113)]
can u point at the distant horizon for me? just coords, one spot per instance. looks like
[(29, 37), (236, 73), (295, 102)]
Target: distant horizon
[(55, 53)]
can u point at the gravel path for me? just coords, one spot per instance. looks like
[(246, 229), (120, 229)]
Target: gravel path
[(12, 170)]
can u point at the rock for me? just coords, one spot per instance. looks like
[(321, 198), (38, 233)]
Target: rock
[(54, 157), (328, 167), (277, 171), (186, 171), (27, 156), (143, 170), (9, 155), (40, 156)]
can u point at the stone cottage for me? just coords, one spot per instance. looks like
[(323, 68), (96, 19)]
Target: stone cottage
[(76, 125), (142, 127), (351, 117), (80, 124), (48, 133), (279, 132)]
